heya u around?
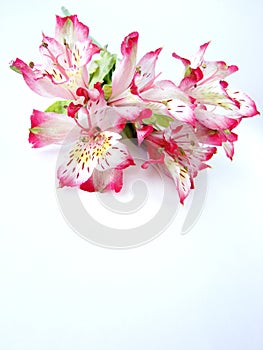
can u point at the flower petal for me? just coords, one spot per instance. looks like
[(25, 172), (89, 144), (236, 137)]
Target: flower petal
[(124, 72), (40, 83), (78, 165), (181, 111), (247, 107), (213, 93), (117, 156), (102, 181), (145, 71), (102, 151), (180, 176), (50, 128), (70, 29), (214, 120), (172, 101), (229, 149), (198, 58)]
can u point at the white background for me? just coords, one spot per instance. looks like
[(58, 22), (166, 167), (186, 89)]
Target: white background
[(201, 291)]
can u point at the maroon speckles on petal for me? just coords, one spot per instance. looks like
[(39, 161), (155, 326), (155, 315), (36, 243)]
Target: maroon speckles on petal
[(69, 162)]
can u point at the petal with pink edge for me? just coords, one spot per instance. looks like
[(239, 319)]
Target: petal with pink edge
[(198, 58), (70, 29), (181, 111), (41, 84), (229, 149), (125, 70), (145, 71), (117, 156), (102, 181), (102, 151), (247, 107), (213, 93), (214, 120), (216, 70), (50, 128), (180, 176)]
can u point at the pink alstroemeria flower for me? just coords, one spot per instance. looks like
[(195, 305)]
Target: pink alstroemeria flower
[(135, 84), (102, 98), (64, 59), (218, 109), (180, 155), (94, 157), (204, 81), (94, 163)]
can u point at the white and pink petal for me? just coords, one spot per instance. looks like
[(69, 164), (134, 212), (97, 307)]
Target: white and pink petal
[(41, 83), (247, 107), (180, 176), (215, 120), (145, 70), (51, 128), (102, 152), (69, 29), (125, 70), (102, 181), (115, 157), (78, 165)]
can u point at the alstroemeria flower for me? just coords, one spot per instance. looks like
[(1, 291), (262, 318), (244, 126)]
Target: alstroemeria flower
[(204, 81), (101, 152), (180, 155), (64, 61), (216, 105), (135, 84), (103, 98)]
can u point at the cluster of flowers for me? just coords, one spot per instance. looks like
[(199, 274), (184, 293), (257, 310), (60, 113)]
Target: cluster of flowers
[(102, 98)]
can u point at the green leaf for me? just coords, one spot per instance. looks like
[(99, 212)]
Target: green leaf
[(158, 120), (101, 69), (59, 107), (163, 120), (151, 120), (65, 11), (129, 132)]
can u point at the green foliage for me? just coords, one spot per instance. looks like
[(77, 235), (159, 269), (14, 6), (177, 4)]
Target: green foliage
[(59, 107), (65, 11), (159, 121), (101, 70)]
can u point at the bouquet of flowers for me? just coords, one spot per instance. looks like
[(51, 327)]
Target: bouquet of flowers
[(103, 98)]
